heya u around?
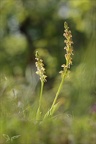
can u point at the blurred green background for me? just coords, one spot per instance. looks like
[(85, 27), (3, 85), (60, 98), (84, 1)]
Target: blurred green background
[(30, 25)]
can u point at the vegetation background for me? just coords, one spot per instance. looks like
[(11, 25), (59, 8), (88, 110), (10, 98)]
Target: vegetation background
[(30, 25)]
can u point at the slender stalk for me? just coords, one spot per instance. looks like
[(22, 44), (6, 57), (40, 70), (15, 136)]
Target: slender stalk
[(59, 89), (38, 115), (41, 92)]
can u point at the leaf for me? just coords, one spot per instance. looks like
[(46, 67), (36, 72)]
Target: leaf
[(15, 137), (47, 114), (52, 110), (38, 115), (6, 137), (55, 108)]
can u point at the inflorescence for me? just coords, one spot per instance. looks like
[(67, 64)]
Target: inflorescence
[(69, 49), (40, 68)]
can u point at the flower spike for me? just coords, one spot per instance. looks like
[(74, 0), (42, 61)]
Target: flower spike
[(69, 49), (40, 67)]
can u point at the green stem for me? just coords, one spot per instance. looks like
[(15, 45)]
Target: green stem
[(41, 92), (59, 89), (40, 101), (51, 110)]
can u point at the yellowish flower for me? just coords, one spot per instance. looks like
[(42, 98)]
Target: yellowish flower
[(40, 68), (69, 48)]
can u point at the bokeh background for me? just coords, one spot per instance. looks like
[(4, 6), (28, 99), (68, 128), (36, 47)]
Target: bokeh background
[(30, 25)]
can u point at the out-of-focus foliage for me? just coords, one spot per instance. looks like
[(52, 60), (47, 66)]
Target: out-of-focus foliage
[(39, 24), (18, 124), (30, 25)]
